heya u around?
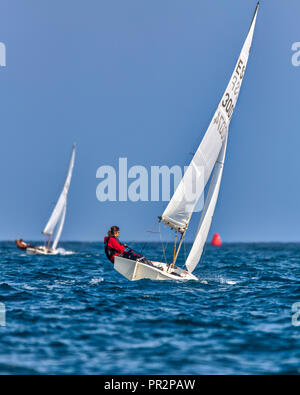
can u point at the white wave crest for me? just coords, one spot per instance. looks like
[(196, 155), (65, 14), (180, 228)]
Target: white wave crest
[(62, 251), (95, 281)]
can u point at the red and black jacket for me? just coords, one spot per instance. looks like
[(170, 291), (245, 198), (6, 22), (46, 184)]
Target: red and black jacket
[(112, 247)]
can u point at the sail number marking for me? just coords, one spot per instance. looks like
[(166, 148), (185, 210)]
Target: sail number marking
[(221, 125), (237, 78), (236, 85), (240, 69), (228, 103)]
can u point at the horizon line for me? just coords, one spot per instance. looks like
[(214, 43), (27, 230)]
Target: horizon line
[(159, 242)]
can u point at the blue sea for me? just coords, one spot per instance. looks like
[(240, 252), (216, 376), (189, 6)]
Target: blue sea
[(73, 314)]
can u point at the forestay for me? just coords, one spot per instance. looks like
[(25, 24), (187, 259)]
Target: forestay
[(182, 205), (59, 212)]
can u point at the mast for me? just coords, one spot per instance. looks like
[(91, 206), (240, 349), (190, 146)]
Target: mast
[(176, 253), (178, 250), (175, 247), (49, 241)]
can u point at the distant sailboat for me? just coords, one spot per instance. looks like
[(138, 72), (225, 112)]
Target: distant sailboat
[(57, 218), (206, 164)]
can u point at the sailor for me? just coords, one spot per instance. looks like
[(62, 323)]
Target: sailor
[(113, 247), (22, 245)]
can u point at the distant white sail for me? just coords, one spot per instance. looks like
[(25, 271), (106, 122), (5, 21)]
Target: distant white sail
[(59, 211), (182, 205), (60, 228), (208, 212)]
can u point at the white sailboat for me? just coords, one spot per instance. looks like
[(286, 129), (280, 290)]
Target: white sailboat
[(57, 218), (207, 164)]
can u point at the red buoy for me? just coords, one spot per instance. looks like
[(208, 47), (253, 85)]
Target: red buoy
[(216, 240)]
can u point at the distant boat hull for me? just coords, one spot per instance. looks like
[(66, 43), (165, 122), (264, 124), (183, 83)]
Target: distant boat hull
[(41, 251), (134, 271)]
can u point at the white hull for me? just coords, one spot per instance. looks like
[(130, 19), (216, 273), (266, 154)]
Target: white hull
[(134, 271), (41, 251)]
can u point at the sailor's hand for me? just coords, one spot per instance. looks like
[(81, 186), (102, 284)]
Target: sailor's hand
[(125, 245)]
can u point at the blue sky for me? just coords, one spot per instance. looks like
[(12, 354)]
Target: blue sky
[(142, 79)]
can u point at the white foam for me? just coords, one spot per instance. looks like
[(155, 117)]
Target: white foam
[(204, 282), (222, 280), (62, 251), (95, 281), (228, 282), (28, 287)]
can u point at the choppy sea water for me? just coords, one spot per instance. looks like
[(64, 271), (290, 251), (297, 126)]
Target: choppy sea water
[(73, 314)]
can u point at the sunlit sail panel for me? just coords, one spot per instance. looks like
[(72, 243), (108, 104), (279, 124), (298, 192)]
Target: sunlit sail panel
[(181, 207)]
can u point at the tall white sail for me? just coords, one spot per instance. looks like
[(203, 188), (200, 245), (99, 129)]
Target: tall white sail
[(59, 211), (207, 213), (60, 228), (182, 205)]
